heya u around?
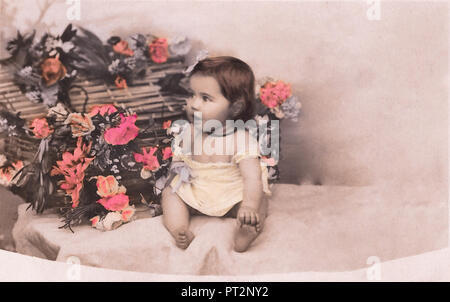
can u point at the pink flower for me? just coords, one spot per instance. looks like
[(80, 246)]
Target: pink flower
[(102, 110), (73, 188), (123, 134), (72, 167), (273, 94), (149, 160), (167, 124), (167, 153), (40, 128), (123, 48), (115, 203), (73, 183), (70, 160), (127, 213), (18, 165), (94, 220), (108, 186), (159, 50)]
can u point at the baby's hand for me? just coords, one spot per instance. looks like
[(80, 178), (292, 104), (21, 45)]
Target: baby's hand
[(249, 216)]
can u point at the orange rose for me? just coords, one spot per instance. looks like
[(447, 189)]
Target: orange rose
[(52, 71), (121, 83), (158, 50)]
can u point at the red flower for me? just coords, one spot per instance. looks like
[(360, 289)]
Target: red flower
[(40, 128), (115, 203), (123, 134), (120, 82), (123, 48), (158, 50), (102, 110), (167, 124), (167, 153), (273, 94), (149, 160)]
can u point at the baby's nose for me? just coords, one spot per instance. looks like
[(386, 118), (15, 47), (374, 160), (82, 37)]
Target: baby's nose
[(195, 103)]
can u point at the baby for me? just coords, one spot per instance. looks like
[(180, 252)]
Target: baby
[(231, 183)]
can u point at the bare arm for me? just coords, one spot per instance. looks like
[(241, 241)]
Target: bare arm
[(252, 189)]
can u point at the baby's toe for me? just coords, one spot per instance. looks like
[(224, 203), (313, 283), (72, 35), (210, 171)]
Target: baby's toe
[(184, 238), (182, 245)]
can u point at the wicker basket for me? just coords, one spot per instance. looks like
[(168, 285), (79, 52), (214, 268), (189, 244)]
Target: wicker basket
[(145, 98)]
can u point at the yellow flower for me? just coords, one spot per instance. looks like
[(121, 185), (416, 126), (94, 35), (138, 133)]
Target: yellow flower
[(108, 186)]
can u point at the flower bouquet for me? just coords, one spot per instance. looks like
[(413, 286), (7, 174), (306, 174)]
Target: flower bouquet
[(93, 165), (274, 102)]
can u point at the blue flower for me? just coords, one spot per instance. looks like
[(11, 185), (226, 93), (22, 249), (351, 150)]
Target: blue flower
[(291, 108)]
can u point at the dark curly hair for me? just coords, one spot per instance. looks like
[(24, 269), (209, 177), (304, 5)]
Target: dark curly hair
[(235, 78)]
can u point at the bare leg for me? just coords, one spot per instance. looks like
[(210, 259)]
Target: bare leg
[(245, 234), (176, 218)]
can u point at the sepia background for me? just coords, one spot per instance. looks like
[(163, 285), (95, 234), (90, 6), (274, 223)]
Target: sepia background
[(374, 93)]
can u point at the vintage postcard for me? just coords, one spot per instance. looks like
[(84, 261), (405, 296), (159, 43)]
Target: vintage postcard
[(224, 141)]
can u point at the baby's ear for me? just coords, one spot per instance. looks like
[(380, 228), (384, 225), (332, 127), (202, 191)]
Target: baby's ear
[(237, 108)]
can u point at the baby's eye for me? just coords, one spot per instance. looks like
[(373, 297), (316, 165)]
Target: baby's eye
[(206, 99)]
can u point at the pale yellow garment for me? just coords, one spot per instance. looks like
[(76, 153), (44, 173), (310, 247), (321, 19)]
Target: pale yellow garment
[(215, 187)]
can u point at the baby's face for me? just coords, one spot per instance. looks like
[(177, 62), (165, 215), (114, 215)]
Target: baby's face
[(207, 99)]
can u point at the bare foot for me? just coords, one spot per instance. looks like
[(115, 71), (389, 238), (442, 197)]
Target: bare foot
[(244, 236), (183, 238)]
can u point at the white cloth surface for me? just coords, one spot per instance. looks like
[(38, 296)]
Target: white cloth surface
[(309, 228)]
